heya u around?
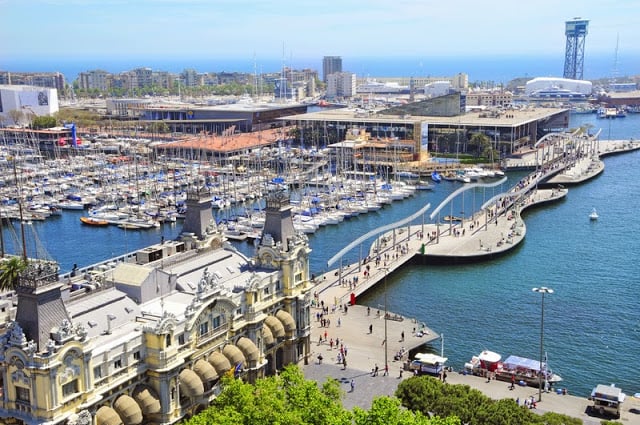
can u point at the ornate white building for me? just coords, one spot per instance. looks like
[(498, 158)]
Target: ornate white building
[(146, 341)]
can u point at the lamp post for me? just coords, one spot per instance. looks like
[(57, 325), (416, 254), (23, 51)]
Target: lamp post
[(386, 273), (541, 290)]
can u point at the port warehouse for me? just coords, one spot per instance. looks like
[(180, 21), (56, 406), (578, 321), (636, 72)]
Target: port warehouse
[(419, 125)]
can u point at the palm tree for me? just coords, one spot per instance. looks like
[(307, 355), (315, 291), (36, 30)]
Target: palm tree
[(10, 270)]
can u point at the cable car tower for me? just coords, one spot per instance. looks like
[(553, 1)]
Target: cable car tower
[(576, 31)]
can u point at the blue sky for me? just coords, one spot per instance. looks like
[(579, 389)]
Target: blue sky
[(299, 30)]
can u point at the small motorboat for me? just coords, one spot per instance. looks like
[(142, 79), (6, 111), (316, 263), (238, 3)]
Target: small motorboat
[(92, 221), (594, 215)]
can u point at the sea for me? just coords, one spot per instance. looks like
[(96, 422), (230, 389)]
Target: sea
[(484, 69)]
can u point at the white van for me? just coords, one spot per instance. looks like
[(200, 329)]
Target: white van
[(607, 400)]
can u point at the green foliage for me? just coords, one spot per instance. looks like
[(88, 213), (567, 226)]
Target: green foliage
[(284, 399), (551, 418), (80, 117), (43, 122), (426, 395), (10, 269), (386, 411), (159, 127)]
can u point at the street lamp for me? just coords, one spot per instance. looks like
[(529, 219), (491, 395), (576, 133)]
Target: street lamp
[(386, 272), (541, 290)]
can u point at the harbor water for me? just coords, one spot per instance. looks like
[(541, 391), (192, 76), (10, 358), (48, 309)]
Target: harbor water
[(591, 321)]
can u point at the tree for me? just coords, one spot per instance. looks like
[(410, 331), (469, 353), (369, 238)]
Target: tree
[(17, 116), (386, 411), (482, 143), (427, 395), (159, 127), (284, 399), (10, 270), (43, 122)]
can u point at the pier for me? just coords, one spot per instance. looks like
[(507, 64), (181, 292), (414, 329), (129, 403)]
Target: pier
[(496, 228)]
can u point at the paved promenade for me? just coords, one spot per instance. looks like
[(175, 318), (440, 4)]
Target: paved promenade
[(365, 350)]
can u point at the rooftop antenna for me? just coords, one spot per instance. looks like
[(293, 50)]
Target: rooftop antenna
[(614, 71), (282, 75), (255, 77)]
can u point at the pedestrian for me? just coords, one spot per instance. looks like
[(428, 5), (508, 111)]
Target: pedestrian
[(513, 382), (402, 336), (444, 376), (401, 370), (370, 328), (331, 344), (386, 370), (339, 322), (375, 370), (368, 311), (353, 385), (319, 358), (344, 362), (320, 340), (325, 336)]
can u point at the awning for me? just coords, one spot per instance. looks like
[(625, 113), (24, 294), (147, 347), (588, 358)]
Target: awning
[(219, 362), (205, 371), (430, 358), (267, 335), (190, 384), (107, 416), (287, 321), (515, 362), (275, 325), (128, 410), (251, 352), (147, 400), (234, 355)]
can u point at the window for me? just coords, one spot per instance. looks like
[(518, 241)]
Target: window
[(22, 394), (97, 372), (70, 388), (117, 364), (136, 355), (204, 328), (181, 339), (168, 340), (216, 322)]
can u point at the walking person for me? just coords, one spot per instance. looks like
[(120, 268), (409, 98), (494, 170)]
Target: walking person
[(353, 385), (386, 370), (513, 382), (370, 329)]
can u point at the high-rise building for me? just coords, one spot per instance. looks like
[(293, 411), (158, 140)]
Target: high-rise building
[(330, 65), (341, 84), (576, 31)]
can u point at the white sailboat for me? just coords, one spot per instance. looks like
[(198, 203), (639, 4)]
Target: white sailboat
[(594, 215)]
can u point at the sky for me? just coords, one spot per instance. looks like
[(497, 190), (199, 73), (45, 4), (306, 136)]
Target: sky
[(300, 32)]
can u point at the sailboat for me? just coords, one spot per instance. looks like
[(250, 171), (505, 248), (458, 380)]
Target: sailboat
[(594, 215)]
